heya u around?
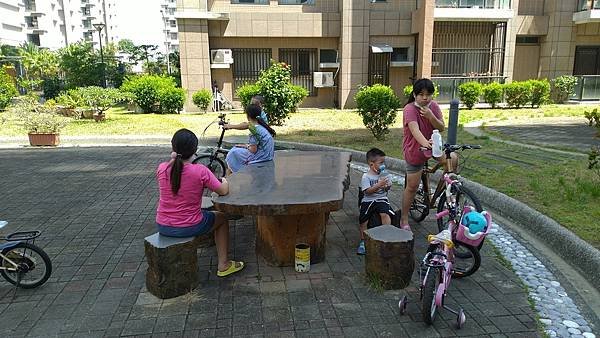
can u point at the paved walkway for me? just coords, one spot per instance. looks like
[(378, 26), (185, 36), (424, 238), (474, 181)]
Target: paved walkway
[(95, 206)]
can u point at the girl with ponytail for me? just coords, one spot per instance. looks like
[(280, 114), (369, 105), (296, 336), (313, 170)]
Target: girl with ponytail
[(260, 146), (179, 212)]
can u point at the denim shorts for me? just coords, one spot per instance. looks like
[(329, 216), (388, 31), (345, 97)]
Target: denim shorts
[(205, 225)]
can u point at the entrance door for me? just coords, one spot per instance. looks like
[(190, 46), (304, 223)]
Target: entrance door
[(527, 62)]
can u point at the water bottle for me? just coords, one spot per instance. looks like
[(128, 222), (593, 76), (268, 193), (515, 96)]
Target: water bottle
[(385, 174), (436, 148)]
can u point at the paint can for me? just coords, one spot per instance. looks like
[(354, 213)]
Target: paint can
[(302, 263)]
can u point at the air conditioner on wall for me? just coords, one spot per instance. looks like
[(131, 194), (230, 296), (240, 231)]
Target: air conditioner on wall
[(221, 56), (323, 79)]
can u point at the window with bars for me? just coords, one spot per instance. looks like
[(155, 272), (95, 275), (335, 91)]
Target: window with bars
[(303, 63), (587, 60), (379, 68), (247, 64)]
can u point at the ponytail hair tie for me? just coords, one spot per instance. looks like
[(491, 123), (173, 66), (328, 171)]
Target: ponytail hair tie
[(175, 155)]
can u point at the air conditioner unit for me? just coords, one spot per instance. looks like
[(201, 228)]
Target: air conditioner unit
[(222, 56), (323, 79)]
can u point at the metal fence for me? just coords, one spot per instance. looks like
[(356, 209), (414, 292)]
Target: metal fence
[(587, 88), (448, 86), (248, 63), (379, 68), (303, 62)]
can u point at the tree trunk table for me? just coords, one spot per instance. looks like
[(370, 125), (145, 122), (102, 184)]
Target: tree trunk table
[(390, 257), (291, 198)]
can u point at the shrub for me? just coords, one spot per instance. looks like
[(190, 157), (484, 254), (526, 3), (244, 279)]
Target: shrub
[(540, 92), (171, 100), (492, 93), (594, 161), (469, 93), (377, 105), (407, 90), (202, 99), (146, 89), (52, 86), (281, 96), (98, 98), (563, 87), (7, 89), (38, 118), (517, 94)]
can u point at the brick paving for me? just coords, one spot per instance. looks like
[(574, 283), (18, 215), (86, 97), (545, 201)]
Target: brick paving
[(95, 206)]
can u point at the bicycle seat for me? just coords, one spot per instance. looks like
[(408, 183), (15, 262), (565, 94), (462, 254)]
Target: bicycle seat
[(443, 237), (3, 224)]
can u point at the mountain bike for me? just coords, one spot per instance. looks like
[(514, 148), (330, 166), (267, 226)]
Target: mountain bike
[(214, 157), (22, 263)]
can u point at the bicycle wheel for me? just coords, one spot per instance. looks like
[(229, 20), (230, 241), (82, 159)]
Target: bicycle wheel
[(419, 209), (464, 197), (215, 165), (428, 306), (468, 265), (33, 265)]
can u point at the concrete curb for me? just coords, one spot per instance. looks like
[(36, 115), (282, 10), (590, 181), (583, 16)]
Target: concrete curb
[(566, 244)]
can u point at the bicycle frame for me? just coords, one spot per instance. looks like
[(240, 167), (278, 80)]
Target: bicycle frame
[(443, 183), (213, 152)]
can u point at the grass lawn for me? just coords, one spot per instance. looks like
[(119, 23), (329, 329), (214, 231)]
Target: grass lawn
[(559, 186)]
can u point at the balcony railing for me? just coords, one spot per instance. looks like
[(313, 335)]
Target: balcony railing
[(587, 88), (487, 4), (448, 86), (586, 5)]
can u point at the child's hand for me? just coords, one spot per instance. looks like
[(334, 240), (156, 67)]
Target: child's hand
[(426, 112), (226, 126)]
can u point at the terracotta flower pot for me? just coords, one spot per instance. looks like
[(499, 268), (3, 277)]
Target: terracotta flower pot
[(37, 140), (88, 113), (99, 117)]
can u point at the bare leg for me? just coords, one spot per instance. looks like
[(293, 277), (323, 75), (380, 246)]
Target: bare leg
[(362, 227), (385, 219), (412, 184), (221, 230)]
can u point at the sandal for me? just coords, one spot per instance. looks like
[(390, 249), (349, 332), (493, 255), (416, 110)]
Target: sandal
[(233, 268), (405, 227)]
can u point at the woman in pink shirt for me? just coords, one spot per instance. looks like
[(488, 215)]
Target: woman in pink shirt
[(421, 116), (179, 212)]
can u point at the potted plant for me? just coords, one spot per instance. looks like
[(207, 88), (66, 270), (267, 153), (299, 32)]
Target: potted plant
[(100, 99), (67, 104), (42, 122)]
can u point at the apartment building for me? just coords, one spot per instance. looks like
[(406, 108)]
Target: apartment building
[(170, 30), (335, 46), (56, 23)]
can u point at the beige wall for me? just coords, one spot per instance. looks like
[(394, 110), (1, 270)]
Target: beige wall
[(194, 57), (527, 62), (557, 52)]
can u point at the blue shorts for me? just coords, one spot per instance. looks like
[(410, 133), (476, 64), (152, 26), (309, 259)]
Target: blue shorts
[(205, 225)]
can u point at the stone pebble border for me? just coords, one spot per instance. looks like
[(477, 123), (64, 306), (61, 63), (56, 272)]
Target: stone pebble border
[(557, 311)]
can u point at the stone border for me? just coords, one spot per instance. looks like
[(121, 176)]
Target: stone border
[(566, 244)]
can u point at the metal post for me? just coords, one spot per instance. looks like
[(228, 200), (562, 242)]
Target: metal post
[(453, 122), (99, 27)]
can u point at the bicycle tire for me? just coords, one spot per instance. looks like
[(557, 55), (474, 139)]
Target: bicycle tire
[(428, 306), (217, 166), (12, 277), (474, 254), (419, 209)]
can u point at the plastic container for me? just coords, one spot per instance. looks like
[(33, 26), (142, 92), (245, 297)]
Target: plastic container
[(436, 147), (383, 173)]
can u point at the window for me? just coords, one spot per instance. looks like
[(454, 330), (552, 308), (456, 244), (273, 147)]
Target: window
[(379, 68), (247, 64), (171, 11), (528, 40), (173, 36), (587, 60), (296, 2), (33, 38), (400, 54), (251, 2), (303, 63), (328, 56), (173, 23)]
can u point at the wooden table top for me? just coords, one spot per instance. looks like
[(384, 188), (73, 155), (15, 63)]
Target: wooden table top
[(294, 183)]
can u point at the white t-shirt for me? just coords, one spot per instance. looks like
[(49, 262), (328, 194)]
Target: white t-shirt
[(369, 180)]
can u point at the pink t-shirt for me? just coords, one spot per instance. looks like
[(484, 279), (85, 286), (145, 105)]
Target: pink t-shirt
[(410, 146), (183, 209)]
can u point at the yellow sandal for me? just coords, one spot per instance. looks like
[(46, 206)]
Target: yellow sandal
[(233, 268)]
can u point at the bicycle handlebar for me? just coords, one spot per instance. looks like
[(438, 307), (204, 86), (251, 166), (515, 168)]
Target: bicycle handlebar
[(454, 147)]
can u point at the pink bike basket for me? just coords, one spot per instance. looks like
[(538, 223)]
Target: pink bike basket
[(464, 236)]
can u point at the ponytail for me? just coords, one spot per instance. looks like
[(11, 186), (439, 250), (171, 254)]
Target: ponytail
[(176, 169), (266, 126), (184, 144), (253, 111)]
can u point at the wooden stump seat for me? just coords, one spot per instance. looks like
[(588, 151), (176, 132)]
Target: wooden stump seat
[(390, 257)]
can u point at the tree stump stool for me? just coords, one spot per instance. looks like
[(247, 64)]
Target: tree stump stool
[(390, 257), (172, 265), (207, 240)]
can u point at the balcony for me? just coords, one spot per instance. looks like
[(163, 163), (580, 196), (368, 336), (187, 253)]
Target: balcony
[(587, 11), (31, 9), (480, 10)]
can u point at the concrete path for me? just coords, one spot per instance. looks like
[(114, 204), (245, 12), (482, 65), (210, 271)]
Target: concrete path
[(95, 206)]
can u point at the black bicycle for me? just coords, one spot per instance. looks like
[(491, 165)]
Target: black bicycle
[(22, 263), (214, 157)]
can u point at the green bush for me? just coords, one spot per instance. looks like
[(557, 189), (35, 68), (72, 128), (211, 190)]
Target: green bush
[(517, 93), (7, 89), (146, 89), (563, 87), (377, 105), (52, 86), (540, 92), (171, 100), (492, 93), (407, 90), (98, 98), (469, 93), (37, 118), (202, 99), (281, 96)]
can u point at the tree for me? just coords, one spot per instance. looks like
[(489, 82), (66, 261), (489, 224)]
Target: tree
[(82, 65)]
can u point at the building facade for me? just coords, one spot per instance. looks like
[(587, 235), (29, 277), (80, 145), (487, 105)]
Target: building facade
[(56, 23), (359, 42), (167, 10)]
